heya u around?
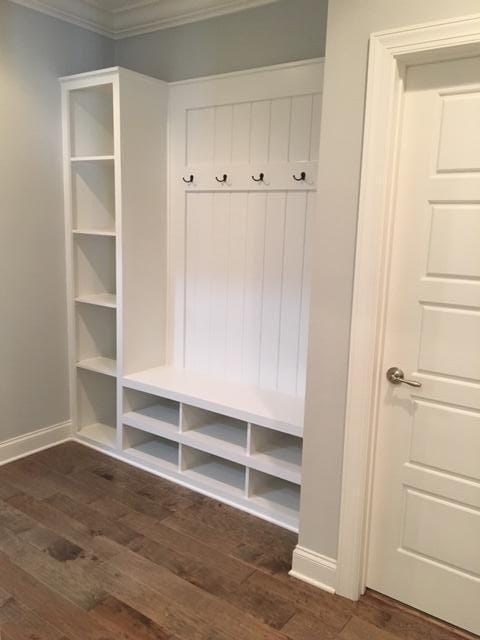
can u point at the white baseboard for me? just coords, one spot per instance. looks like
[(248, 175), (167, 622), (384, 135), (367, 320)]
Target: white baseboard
[(314, 568), (29, 443)]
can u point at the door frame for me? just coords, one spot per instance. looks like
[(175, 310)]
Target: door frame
[(390, 53)]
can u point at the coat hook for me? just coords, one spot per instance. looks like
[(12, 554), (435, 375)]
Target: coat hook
[(224, 179), (260, 177), (303, 175), (189, 181)]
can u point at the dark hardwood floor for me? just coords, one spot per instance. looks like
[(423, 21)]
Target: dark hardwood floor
[(93, 549)]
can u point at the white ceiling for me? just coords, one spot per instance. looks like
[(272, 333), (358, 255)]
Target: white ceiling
[(122, 18)]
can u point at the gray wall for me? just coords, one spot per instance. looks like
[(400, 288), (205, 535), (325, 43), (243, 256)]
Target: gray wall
[(284, 31), (349, 24), (34, 50)]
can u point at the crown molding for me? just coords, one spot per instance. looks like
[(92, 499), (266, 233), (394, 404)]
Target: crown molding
[(142, 17), (77, 12)]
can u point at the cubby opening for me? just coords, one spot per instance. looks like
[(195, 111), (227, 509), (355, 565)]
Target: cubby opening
[(150, 449), (94, 262), (275, 497), (277, 453), (93, 196), (151, 413), (96, 339), (96, 408), (91, 121), (215, 429), (219, 474)]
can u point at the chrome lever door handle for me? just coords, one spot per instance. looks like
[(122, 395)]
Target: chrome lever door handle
[(396, 376)]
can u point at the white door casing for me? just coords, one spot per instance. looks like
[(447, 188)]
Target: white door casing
[(390, 53), (424, 546)]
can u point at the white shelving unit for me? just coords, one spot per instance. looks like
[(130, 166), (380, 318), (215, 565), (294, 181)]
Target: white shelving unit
[(188, 339), (111, 169)]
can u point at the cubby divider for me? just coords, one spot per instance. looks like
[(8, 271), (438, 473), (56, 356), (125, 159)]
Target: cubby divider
[(221, 475), (150, 449), (158, 416), (220, 434), (274, 496), (277, 453)]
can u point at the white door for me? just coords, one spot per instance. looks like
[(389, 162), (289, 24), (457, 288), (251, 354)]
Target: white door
[(425, 528)]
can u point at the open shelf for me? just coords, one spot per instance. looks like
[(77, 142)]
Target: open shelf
[(243, 402), (94, 260), (277, 499), (92, 158), (155, 415), (96, 333), (93, 195), (107, 366), (219, 475), (95, 232), (96, 408), (99, 299), (279, 454), (91, 121), (99, 433), (213, 432), (150, 450)]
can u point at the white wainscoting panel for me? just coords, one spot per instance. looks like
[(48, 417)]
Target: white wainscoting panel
[(247, 286)]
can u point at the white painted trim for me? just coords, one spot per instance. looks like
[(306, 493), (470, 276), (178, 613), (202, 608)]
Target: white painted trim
[(141, 17), (35, 441), (155, 16), (76, 12), (390, 52), (235, 74), (315, 569)]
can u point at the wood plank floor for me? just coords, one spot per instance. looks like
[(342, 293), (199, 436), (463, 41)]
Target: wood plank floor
[(93, 549)]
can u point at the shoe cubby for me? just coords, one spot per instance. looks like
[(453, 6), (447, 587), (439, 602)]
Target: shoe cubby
[(155, 415), (93, 196), (214, 431), (150, 450), (213, 472), (91, 121), (96, 339), (276, 498), (96, 408), (279, 454)]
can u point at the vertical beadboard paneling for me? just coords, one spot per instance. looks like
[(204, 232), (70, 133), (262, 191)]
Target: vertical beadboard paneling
[(223, 134), (280, 129), (290, 313), (220, 233), (237, 245), (254, 261), (272, 289), (315, 135), (200, 136), (300, 129), (241, 133), (247, 259), (199, 278), (305, 303), (259, 131)]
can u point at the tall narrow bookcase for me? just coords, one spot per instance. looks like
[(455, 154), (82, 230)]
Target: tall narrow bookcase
[(114, 124)]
